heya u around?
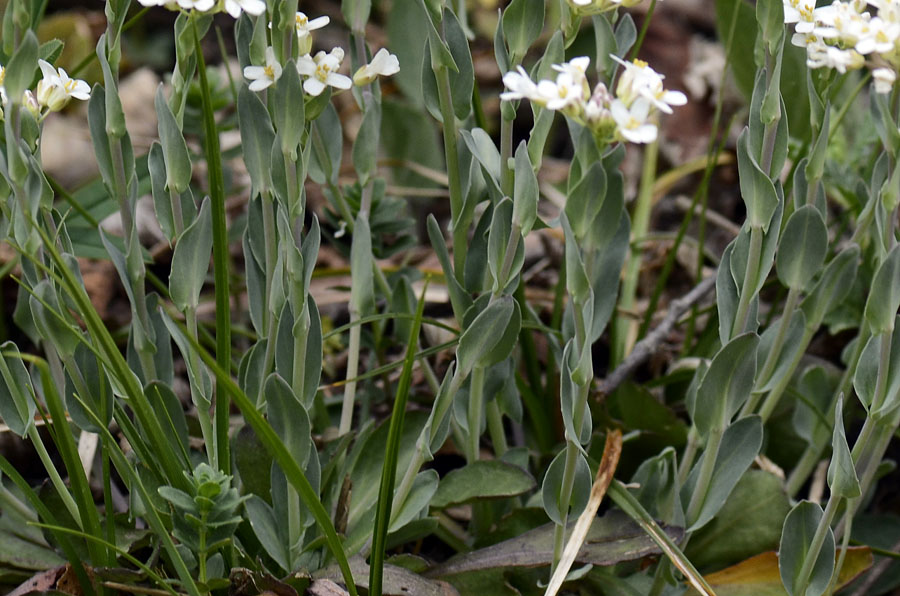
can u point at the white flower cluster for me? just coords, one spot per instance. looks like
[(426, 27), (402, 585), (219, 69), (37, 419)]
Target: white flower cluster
[(846, 36), (232, 7), (626, 116), (53, 91), (320, 70)]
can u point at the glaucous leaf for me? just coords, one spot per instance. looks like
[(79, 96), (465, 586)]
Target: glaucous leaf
[(799, 527), (803, 247)]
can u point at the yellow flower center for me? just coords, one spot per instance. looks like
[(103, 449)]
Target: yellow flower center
[(302, 20), (640, 63), (269, 71), (69, 86), (322, 72)]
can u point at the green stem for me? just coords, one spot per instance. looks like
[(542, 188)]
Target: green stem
[(644, 27), (750, 279), (221, 264), (476, 405), (495, 427), (815, 546), (300, 344), (352, 372), (506, 174), (441, 408), (763, 377), (460, 230), (842, 555), (206, 428), (708, 464), (813, 452), (774, 396), (177, 215), (687, 458), (625, 329), (565, 495)]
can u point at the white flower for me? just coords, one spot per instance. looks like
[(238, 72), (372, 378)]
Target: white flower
[(561, 94), (252, 7), (832, 57), (264, 76), (383, 64), (884, 79), (880, 37), (639, 80), (839, 20), (304, 25), (322, 71), (632, 122), (575, 68), (201, 5), (520, 86), (804, 40), (800, 12), (56, 88)]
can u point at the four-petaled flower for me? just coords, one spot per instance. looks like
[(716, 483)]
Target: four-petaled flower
[(56, 88), (264, 76), (383, 64), (632, 122), (322, 71), (303, 25), (639, 80), (520, 86)]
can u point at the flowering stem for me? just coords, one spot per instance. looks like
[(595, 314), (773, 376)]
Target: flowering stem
[(269, 317), (750, 279), (572, 447), (177, 215), (429, 433), (710, 454), (565, 495), (142, 343), (774, 352), (476, 404), (626, 330), (460, 227), (506, 174), (813, 451), (495, 427), (768, 406)]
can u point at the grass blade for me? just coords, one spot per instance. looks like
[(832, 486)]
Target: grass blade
[(220, 258), (389, 468)]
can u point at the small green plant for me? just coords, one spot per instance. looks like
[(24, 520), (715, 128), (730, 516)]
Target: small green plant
[(310, 447)]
